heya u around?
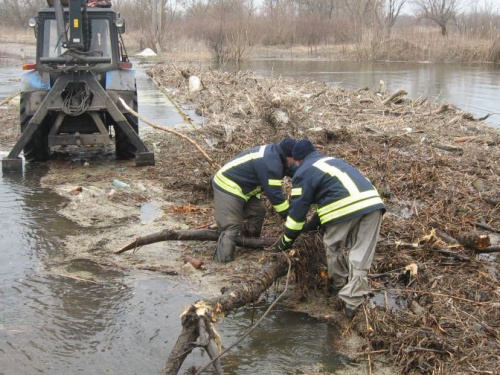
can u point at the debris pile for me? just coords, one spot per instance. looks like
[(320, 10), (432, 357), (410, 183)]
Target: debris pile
[(436, 274)]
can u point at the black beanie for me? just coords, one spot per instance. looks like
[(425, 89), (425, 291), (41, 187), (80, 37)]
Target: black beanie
[(303, 148), (287, 145)]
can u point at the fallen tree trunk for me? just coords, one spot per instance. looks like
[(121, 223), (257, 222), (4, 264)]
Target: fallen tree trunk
[(394, 96), (195, 235), (207, 311)]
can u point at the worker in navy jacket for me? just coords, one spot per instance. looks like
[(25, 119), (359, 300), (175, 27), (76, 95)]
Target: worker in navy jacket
[(237, 188), (350, 211)]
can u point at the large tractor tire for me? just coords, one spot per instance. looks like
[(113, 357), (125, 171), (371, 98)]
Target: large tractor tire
[(37, 148), (124, 148)]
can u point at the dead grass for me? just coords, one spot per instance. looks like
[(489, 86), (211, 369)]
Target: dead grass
[(10, 130), (422, 44), (16, 35)]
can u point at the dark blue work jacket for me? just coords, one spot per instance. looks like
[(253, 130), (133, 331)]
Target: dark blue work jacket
[(253, 171), (339, 190)]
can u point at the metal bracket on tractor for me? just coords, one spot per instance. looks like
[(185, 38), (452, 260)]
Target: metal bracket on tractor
[(101, 102)]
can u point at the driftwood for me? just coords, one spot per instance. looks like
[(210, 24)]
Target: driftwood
[(213, 164), (485, 226), (446, 147), (9, 98), (394, 96), (204, 313), (492, 249), (451, 254), (195, 235)]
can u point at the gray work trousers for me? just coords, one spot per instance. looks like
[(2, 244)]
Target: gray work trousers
[(350, 246), (234, 216)]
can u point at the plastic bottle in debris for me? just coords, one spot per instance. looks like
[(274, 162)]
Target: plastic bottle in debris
[(120, 184)]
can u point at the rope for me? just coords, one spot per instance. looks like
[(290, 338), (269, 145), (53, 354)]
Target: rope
[(256, 323), (77, 100)]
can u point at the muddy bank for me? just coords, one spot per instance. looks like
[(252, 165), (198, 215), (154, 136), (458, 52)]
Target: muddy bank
[(437, 168)]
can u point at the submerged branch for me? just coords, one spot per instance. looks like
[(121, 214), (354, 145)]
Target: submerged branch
[(195, 235)]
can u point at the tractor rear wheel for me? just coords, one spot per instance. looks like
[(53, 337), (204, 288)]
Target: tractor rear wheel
[(124, 149), (37, 148)]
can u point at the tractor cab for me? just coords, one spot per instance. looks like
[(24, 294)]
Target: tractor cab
[(94, 38)]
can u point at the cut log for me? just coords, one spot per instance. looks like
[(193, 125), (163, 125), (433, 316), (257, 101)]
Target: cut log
[(474, 240), (196, 235), (209, 310)]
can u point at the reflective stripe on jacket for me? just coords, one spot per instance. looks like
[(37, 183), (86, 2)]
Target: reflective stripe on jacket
[(256, 170), (339, 190)]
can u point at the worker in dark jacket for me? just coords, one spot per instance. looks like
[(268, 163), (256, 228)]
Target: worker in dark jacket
[(350, 211), (237, 188)]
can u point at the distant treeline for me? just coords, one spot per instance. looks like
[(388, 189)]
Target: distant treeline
[(435, 30)]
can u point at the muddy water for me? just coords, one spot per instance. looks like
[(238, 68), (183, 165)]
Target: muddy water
[(55, 322), (152, 103)]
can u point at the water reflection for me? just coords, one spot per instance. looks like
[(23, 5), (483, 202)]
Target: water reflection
[(69, 316), (153, 104), (283, 343)]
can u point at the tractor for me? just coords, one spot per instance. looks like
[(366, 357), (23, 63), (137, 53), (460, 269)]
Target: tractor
[(70, 96)]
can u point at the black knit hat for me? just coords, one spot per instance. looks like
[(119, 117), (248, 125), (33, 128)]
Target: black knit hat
[(287, 145), (303, 148)]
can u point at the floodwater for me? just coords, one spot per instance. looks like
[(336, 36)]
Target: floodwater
[(53, 321)]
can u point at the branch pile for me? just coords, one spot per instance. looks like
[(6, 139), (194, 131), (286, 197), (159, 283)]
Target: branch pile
[(438, 170)]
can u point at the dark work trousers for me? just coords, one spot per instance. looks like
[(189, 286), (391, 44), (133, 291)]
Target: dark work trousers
[(350, 246), (234, 216)]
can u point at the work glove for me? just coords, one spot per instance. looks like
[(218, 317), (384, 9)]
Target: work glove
[(312, 224), (291, 169), (282, 245)]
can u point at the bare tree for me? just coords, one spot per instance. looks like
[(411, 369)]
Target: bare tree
[(361, 14), (392, 11), (229, 29), (440, 12), (17, 12), (278, 17), (481, 21), (322, 8)]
